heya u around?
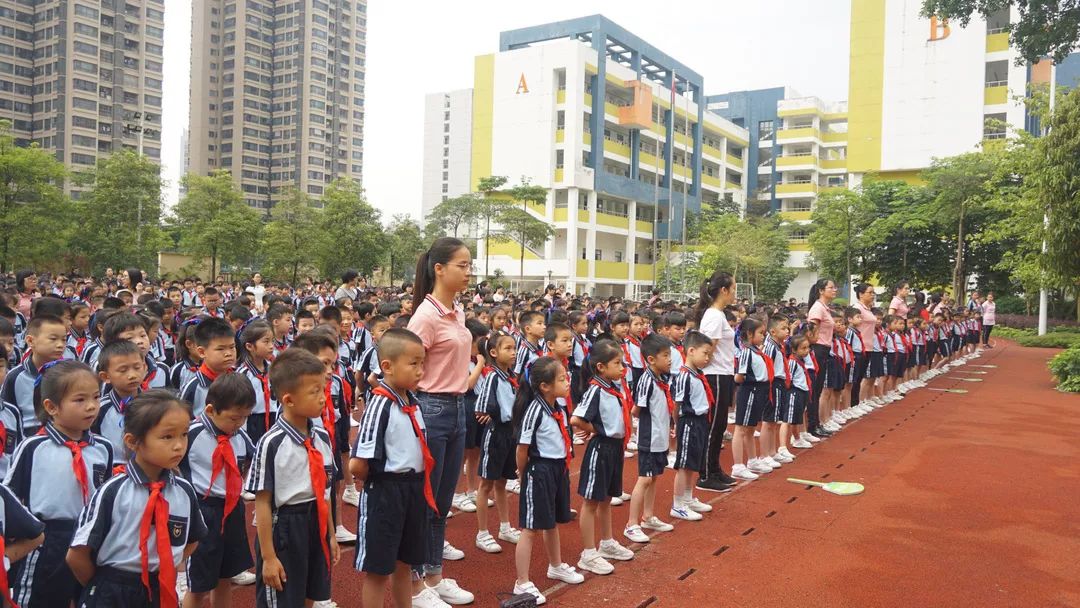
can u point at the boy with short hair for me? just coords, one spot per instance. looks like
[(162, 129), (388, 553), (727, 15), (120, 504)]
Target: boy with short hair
[(531, 346), (212, 303), (133, 328), (693, 400), (305, 322), (46, 337), (391, 457), (216, 344), (281, 322), (122, 370), (777, 331), (291, 478)]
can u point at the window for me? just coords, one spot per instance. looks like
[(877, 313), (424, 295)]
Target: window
[(598, 255), (618, 256), (83, 104), (765, 129), (584, 253), (82, 159)]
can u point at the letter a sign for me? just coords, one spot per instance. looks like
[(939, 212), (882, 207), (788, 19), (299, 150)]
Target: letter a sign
[(523, 87), (939, 29)]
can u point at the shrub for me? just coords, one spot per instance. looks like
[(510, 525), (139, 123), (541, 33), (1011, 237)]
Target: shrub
[(1065, 367), (1032, 322), (1010, 305), (1057, 337)]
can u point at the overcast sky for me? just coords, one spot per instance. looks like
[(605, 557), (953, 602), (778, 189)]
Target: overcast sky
[(414, 48)]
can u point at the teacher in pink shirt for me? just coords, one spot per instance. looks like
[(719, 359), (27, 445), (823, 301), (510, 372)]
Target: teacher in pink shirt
[(822, 294), (442, 272), (899, 306), (864, 294)]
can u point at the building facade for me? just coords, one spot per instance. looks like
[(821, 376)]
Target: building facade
[(277, 94), (82, 78), (447, 147)]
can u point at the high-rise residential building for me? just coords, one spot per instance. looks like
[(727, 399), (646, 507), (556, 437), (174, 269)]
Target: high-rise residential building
[(447, 147), (277, 93), (83, 78), (618, 133)]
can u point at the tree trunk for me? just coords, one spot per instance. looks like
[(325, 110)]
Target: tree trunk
[(4, 254), (213, 263), (295, 271), (521, 270), (847, 278), (958, 269)]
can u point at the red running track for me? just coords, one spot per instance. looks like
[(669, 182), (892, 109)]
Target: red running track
[(971, 500)]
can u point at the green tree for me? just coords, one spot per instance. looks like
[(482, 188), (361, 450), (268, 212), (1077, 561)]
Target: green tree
[(528, 230), (1046, 27), (405, 245), (215, 222), (35, 218), (290, 238), (120, 215), (489, 205), (351, 231), (904, 243), (838, 243), (449, 216), (754, 252)]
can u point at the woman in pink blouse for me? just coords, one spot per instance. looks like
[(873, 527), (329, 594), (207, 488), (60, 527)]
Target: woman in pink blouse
[(864, 294), (899, 306), (442, 272), (822, 294)]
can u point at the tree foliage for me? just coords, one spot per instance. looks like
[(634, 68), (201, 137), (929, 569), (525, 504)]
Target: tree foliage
[(350, 234), (838, 242), (215, 222), (754, 252), (452, 215), (289, 239), (405, 243), (35, 219), (1046, 27)]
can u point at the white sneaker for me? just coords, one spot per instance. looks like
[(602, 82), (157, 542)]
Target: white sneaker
[(513, 486), (631, 445), (451, 553), (697, 506), (741, 471), (755, 467), (464, 503), (324, 604), (654, 523), (350, 496), (611, 549), (731, 418), (728, 436), (181, 585), (487, 543), (783, 451), (627, 454), (809, 438), (772, 462), (635, 534), (509, 534), (685, 513), (566, 573), (782, 458), (829, 425), (616, 501), (428, 598), (344, 536), (838, 418), (671, 460), (802, 444), (449, 592), (530, 588), (592, 561), (244, 579), (757, 434)]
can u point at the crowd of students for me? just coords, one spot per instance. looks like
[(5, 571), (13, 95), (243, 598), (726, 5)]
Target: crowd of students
[(139, 417)]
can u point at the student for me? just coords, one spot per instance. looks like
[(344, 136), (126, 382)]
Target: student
[(778, 332), (97, 328), (23, 534), (654, 408), (218, 450), (367, 363), (7, 340), (497, 461), (305, 322), (122, 370), (531, 347), (694, 400), (391, 458), (54, 473), (361, 336), (216, 344), (858, 348), (632, 345), (186, 354), (130, 327), (211, 298), (291, 478), (543, 458), (78, 333), (604, 413), (754, 375), (797, 396), (281, 321), (45, 339), (466, 501), (256, 350), (108, 554)]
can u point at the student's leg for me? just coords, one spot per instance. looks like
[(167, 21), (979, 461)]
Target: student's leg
[(637, 500), (374, 593), (737, 448), (587, 523), (785, 434), (195, 600), (502, 505), (603, 514), (553, 547), (648, 508), (523, 555), (482, 494), (766, 439), (222, 595), (401, 587), (472, 475)]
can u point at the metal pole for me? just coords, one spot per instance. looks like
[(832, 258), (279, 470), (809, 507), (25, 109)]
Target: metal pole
[(1043, 294), (138, 213)]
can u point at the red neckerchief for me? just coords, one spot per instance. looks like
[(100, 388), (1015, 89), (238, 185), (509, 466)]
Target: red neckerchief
[(682, 350), (264, 379), (157, 513), (327, 413), (584, 344), (3, 447), (708, 389), (814, 359), (663, 386), (513, 381), (150, 378), (806, 376), (484, 373), (317, 471), (80, 344), (210, 374), (626, 405), (225, 458), (838, 351), (78, 465), (429, 460), (768, 367), (557, 414), (626, 353)]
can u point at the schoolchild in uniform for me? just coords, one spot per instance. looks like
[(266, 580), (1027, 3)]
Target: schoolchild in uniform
[(859, 353), (151, 317), (543, 455), (186, 354), (531, 346), (216, 344), (877, 364), (778, 330), (219, 449), (13, 356), (280, 319), (20, 534), (115, 551), (754, 374), (291, 478), (97, 328), (654, 408), (894, 350), (45, 339), (122, 369), (604, 413), (797, 396), (495, 407), (579, 324), (392, 460), (256, 348), (470, 482), (694, 400), (126, 326), (211, 298), (54, 473), (836, 374), (361, 336), (367, 363), (638, 326), (79, 331)]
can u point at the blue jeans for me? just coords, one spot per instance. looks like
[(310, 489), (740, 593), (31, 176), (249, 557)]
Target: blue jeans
[(444, 420)]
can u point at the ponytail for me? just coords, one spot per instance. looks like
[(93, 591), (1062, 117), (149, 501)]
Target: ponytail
[(815, 290), (710, 289), (541, 371), (440, 252)]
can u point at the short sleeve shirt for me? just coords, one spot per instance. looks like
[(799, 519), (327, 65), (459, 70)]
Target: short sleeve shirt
[(900, 306), (540, 431), (448, 344), (715, 326), (386, 437), (820, 314), (602, 409)]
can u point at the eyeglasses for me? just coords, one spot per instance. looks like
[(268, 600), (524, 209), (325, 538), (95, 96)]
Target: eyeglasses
[(464, 266)]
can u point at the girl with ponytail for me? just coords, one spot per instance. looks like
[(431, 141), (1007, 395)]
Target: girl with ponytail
[(717, 294)]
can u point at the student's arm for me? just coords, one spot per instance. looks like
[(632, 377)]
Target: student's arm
[(580, 423), (739, 378), (188, 550), (522, 457), (78, 559), (273, 572), (359, 469), (19, 549), (474, 376), (635, 411)]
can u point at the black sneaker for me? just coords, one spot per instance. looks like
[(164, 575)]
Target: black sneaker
[(725, 478), (711, 484), (821, 433)]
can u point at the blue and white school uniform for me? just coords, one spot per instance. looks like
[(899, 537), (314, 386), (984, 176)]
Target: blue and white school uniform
[(75, 345), (11, 434), (752, 396), (157, 374), (18, 392), (91, 354), (633, 360), (544, 500), (775, 353), (601, 466), (265, 411), (497, 455), (899, 355), (16, 523), (194, 392), (654, 423), (798, 395), (42, 477), (691, 394), (110, 421), (527, 353), (858, 367)]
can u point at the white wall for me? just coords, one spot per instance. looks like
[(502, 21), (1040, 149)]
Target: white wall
[(460, 146)]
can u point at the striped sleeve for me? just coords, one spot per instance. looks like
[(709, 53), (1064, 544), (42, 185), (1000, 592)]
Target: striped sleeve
[(521, 360), (529, 424), (744, 362), (488, 402), (95, 521), (370, 437), (261, 473)]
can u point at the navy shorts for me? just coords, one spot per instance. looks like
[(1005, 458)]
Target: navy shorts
[(897, 364), (43, 577), (223, 552), (498, 453), (341, 433), (835, 376), (602, 468), (751, 399), (794, 407), (771, 413), (111, 588), (474, 433), (392, 523), (691, 439), (875, 365), (545, 494), (299, 547), (651, 464)]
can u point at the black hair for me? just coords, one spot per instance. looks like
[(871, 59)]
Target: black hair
[(558, 316), (363, 309), (816, 289), (604, 350), (210, 329), (112, 303), (619, 318), (695, 339), (186, 332), (304, 313), (134, 277), (249, 334), (898, 286), (148, 408), (330, 313), (488, 345), (389, 308), (55, 382), (440, 252), (349, 275), (290, 367), (793, 341), (99, 319), (50, 305), (375, 320), (120, 323), (36, 322), (575, 317), (156, 307), (276, 311), (315, 342), (20, 279), (675, 318), (477, 328), (6, 328), (748, 327), (231, 391), (653, 345), (710, 288), (542, 371), (239, 312), (528, 317), (394, 343), (211, 291), (552, 331), (119, 348)]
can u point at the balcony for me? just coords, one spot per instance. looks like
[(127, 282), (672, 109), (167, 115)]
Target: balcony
[(558, 177), (796, 216), (613, 146), (805, 188), (713, 152), (582, 269), (733, 186), (560, 96), (835, 163), (612, 220), (996, 93), (998, 41), (561, 215), (800, 133), (643, 226), (560, 136), (710, 180), (734, 161), (643, 272), (612, 270), (796, 160), (833, 137)]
